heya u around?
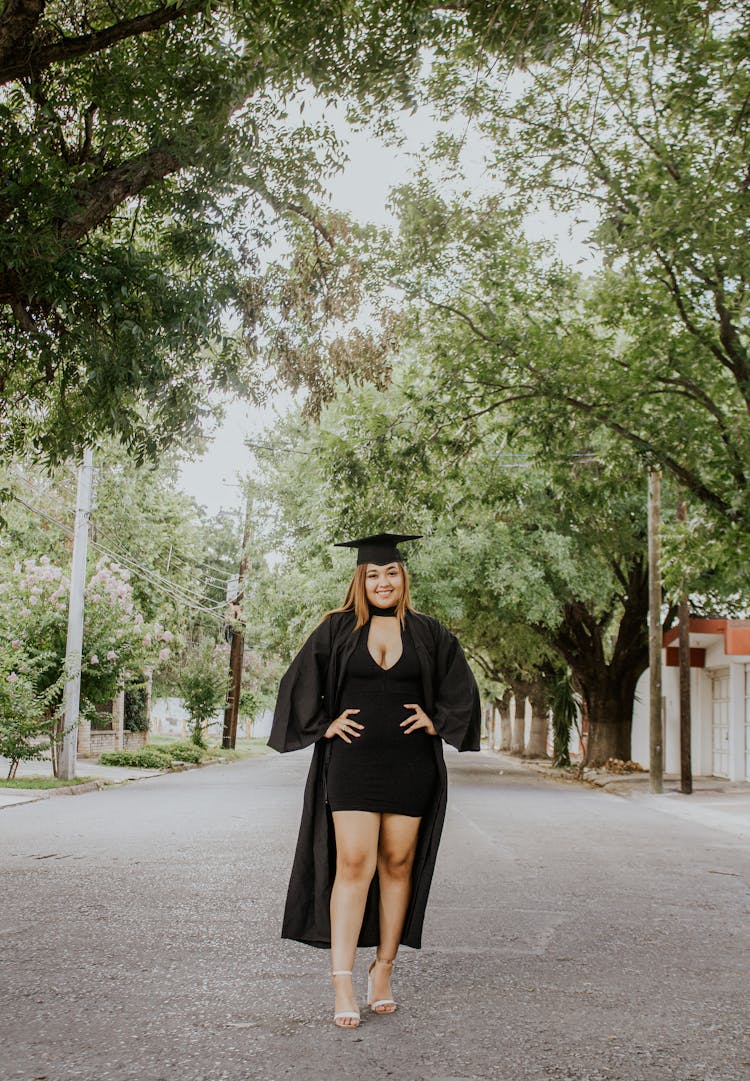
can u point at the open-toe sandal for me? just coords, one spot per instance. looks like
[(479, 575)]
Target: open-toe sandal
[(353, 1014), (376, 1006)]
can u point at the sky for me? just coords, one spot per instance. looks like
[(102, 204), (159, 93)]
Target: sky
[(361, 189)]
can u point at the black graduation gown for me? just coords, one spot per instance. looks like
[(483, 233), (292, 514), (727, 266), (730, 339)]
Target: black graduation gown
[(308, 701)]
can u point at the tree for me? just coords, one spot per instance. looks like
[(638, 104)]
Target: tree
[(180, 560), (149, 151), (202, 684), (642, 132)]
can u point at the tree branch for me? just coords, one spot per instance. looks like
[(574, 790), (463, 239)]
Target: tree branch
[(119, 184), (16, 63), (441, 306), (17, 23), (690, 480)]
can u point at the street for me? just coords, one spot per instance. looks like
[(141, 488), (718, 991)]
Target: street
[(570, 934)]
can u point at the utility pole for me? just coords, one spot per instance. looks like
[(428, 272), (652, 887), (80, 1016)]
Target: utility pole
[(237, 651), (74, 646), (656, 749), (686, 768)]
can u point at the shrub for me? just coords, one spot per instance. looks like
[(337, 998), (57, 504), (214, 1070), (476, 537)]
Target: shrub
[(186, 752), (27, 719), (203, 686), (136, 719), (146, 758), (33, 613)]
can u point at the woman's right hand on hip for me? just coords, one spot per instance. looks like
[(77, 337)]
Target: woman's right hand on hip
[(344, 726)]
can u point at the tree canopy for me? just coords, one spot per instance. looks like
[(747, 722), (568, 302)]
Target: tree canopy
[(149, 149)]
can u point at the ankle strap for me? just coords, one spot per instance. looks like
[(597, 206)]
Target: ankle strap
[(341, 972)]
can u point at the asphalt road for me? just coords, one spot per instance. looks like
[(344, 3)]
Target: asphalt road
[(570, 934)]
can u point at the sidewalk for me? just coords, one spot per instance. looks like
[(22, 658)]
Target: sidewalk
[(99, 777), (714, 802)]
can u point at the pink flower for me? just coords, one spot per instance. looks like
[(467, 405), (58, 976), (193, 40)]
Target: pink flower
[(25, 611), (44, 561), (12, 677), (164, 653), (167, 636), (147, 641), (16, 643), (111, 655), (33, 599), (93, 659)]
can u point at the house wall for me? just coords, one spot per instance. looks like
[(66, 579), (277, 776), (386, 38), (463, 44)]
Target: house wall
[(701, 690)]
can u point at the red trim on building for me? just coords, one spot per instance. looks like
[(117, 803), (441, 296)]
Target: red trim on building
[(697, 657), (736, 634)]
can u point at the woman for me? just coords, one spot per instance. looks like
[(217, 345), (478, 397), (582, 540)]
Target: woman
[(374, 687)]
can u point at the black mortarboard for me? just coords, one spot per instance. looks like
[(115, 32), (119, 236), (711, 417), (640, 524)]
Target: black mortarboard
[(380, 548)]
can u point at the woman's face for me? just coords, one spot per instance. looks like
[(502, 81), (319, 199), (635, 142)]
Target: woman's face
[(384, 585)]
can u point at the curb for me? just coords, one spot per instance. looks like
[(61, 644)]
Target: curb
[(624, 785), (100, 783), (614, 784)]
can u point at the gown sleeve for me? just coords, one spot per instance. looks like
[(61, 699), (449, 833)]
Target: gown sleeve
[(457, 711), (301, 717)]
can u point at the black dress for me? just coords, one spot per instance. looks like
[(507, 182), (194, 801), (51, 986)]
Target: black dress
[(384, 769)]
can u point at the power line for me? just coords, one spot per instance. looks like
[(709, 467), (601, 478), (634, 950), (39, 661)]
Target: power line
[(157, 582), (127, 555), (192, 564)]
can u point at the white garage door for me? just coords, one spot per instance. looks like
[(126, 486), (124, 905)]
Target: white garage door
[(720, 723), (747, 722)]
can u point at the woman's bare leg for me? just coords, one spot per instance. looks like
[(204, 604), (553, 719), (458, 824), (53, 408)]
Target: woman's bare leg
[(397, 846), (356, 859)]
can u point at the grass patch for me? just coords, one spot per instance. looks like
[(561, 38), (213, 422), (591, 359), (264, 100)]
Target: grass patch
[(43, 782), (246, 748)]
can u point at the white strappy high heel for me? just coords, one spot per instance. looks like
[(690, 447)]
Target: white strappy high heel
[(354, 1014), (380, 1001)]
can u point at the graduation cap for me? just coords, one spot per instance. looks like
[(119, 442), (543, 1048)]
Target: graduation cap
[(380, 548)]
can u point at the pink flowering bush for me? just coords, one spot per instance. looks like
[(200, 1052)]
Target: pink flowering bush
[(116, 639), (28, 718)]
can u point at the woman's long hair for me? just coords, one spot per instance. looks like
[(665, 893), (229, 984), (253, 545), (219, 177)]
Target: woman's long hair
[(356, 598)]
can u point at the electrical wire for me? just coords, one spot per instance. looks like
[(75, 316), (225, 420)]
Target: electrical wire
[(192, 564), (140, 572), (128, 556)]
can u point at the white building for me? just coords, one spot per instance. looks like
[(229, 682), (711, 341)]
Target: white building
[(720, 701)]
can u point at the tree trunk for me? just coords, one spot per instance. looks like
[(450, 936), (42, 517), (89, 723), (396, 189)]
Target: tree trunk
[(489, 724), (538, 733), (609, 704), (608, 685), (518, 725), (503, 708)]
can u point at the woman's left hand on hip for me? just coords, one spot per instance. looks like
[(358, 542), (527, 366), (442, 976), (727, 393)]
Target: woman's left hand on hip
[(418, 719)]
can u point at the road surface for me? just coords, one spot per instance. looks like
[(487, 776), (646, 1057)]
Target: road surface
[(570, 934)]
